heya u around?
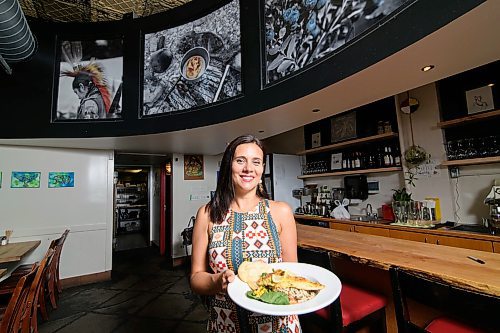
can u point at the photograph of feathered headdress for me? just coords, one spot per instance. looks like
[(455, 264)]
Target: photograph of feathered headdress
[(94, 73)]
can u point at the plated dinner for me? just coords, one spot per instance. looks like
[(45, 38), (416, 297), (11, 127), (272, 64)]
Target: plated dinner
[(283, 288)]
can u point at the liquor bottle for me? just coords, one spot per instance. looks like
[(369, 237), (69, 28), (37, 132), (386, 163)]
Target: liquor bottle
[(379, 158), (387, 157), (357, 161), (397, 157), (344, 161)]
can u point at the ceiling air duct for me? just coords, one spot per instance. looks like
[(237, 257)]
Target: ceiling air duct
[(16, 40)]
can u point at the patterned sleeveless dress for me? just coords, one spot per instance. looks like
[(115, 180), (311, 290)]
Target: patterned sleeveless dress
[(244, 237)]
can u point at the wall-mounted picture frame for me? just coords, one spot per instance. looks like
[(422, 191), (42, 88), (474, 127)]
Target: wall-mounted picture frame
[(479, 100), (298, 34), (344, 127), (194, 64), (88, 80), (193, 167), (316, 140), (61, 179), (25, 179)]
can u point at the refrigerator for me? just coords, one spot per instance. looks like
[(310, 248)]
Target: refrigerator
[(280, 178)]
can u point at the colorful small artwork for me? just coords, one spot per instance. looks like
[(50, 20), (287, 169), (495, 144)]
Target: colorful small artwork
[(193, 167), (22, 179), (61, 179)]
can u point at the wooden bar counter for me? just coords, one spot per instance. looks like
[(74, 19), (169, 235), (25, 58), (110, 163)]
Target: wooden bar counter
[(450, 264)]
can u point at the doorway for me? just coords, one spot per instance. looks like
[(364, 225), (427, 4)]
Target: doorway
[(131, 223)]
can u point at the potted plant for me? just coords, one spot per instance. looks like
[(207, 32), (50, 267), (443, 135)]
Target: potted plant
[(401, 195)]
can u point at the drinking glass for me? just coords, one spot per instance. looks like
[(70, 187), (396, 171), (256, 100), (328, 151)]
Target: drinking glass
[(451, 150), (415, 213), (400, 209)]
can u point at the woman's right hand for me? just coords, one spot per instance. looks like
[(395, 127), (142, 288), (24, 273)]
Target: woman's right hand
[(224, 279)]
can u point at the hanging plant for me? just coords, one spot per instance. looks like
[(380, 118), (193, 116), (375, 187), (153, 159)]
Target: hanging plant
[(415, 155)]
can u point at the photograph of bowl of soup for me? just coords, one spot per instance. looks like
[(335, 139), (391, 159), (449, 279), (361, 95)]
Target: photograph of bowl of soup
[(194, 63)]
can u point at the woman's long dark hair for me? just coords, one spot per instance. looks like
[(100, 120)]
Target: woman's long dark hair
[(224, 194)]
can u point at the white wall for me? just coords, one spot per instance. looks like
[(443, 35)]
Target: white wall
[(44, 213), (462, 198), (189, 195)]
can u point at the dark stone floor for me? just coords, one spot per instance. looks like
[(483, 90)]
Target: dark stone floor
[(143, 296)]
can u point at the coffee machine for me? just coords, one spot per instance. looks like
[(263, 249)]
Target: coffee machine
[(308, 197), (493, 200)]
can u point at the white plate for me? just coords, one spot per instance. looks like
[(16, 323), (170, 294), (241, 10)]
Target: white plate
[(237, 291)]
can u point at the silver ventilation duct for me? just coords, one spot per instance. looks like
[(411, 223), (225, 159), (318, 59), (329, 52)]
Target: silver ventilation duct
[(16, 40)]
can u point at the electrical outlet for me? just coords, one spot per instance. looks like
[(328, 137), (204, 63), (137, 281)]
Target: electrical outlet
[(454, 172)]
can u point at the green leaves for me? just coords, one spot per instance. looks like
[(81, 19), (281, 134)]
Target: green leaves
[(271, 297)]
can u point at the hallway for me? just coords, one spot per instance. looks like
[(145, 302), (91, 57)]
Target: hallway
[(143, 296)]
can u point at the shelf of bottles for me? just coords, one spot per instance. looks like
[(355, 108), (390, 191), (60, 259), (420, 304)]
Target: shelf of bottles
[(382, 156)]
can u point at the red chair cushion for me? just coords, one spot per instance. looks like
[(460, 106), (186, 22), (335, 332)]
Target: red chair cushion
[(355, 304), (358, 303), (445, 325)]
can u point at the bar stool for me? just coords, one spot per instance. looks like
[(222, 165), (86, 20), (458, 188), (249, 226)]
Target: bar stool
[(356, 307), (463, 311)]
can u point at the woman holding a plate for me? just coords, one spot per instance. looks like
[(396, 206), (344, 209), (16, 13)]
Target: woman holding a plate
[(240, 224)]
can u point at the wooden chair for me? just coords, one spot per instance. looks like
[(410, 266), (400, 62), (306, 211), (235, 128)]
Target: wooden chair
[(16, 312), (52, 283), (355, 308), (463, 311), (37, 289)]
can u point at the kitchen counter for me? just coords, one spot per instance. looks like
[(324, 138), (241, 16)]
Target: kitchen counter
[(449, 264), (384, 224)]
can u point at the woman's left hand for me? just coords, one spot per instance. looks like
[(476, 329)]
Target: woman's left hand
[(225, 278)]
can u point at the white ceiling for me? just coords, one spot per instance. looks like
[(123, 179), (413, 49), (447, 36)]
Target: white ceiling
[(468, 42)]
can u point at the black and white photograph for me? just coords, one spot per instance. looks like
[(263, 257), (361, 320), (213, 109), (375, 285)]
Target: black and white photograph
[(90, 80), (194, 64), (300, 32)]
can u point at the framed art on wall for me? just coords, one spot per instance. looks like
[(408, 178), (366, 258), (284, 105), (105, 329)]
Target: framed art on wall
[(344, 127), (194, 64), (193, 167), (61, 179), (479, 100), (23, 179), (298, 34), (89, 80)]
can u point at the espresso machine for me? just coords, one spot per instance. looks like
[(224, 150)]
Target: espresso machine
[(308, 197), (493, 200)]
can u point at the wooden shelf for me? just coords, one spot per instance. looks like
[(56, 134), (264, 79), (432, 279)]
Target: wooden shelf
[(472, 161), (354, 142), (469, 119), (351, 172)]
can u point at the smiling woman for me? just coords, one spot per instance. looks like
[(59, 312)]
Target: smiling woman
[(240, 224)]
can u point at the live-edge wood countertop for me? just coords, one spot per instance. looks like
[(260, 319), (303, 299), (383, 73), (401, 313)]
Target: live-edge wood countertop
[(449, 264)]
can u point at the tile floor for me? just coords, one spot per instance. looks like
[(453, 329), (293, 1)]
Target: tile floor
[(143, 296)]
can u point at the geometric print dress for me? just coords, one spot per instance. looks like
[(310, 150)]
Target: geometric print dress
[(242, 237)]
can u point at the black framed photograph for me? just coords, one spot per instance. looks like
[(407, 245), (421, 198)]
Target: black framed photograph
[(89, 79), (194, 64), (298, 34), (344, 127)]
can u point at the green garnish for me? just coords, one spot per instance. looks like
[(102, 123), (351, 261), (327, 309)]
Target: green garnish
[(271, 297)]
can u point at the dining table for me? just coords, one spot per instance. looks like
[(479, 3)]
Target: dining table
[(15, 251)]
